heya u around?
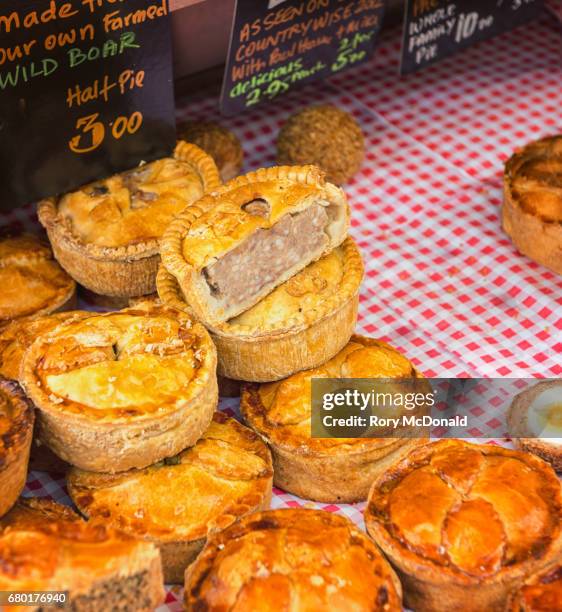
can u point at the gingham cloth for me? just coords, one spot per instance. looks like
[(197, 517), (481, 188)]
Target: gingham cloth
[(443, 283)]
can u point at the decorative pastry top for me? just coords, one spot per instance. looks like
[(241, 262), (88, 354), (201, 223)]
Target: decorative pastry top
[(292, 559), (141, 361), (32, 281), (227, 474), (281, 411), (46, 546), (16, 420), (535, 177), (252, 234), (320, 288), (506, 504), (136, 206), (541, 592)]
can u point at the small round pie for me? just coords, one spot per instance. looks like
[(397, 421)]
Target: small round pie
[(16, 430), (300, 325), (532, 206), (106, 235), (329, 470), (465, 524), (226, 475), (32, 281), (541, 592), (535, 421), (123, 389), (294, 560)]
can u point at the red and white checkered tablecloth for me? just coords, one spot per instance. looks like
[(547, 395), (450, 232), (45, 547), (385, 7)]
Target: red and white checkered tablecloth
[(443, 283)]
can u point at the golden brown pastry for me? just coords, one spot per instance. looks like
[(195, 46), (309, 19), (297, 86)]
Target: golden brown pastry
[(122, 389), (16, 429), (32, 281), (294, 560), (325, 136), (535, 421), (329, 470), (176, 503), (47, 547), (236, 245), (465, 524), (218, 142), (106, 235), (300, 325), (541, 592), (532, 206)]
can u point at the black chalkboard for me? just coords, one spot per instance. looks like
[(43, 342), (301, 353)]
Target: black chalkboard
[(435, 29), (85, 90), (278, 45)]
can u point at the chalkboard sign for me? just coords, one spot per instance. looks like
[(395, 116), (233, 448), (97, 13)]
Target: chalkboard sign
[(85, 90), (282, 44), (435, 29)]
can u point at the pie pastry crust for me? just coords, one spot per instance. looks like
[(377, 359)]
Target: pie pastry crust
[(33, 283), (222, 221), (518, 425), (123, 389), (298, 326), (532, 206), (292, 560), (465, 524), (328, 470), (45, 546), (122, 270), (228, 474), (541, 592), (16, 428)]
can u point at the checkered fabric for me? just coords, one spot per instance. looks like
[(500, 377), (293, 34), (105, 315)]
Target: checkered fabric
[(443, 283)]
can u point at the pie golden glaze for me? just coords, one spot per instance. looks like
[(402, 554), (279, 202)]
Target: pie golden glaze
[(106, 235), (329, 470), (32, 281), (178, 502), (294, 560), (45, 546), (298, 326), (16, 429), (465, 524), (541, 592), (520, 428), (532, 207), (123, 389), (223, 220)]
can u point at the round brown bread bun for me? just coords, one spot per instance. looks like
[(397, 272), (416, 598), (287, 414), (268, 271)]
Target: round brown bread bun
[(218, 142), (465, 524), (534, 412), (294, 560), (329, 470), (541, 592), (178, 502), (325, 136), (532, 206)]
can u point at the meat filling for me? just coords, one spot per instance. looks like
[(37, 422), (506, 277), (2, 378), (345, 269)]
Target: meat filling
[(267, 255)]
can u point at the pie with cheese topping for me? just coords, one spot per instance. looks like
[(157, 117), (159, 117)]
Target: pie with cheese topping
[(32, 281), (294, 560), (532, 207), (177, 502), (106, 235), (328, 469), (123, 389), (16, 429), (464, 524), (300, 325), (239, 243)]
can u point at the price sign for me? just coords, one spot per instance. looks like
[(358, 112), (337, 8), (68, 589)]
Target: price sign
[(85, 91), (280, 45), (435, 29)]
